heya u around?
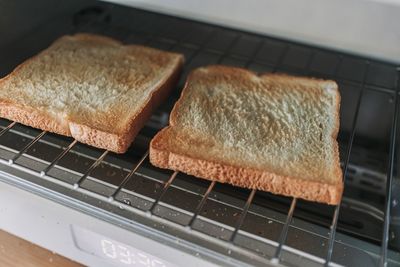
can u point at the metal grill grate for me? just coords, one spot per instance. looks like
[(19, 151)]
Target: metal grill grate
[(255, 227)]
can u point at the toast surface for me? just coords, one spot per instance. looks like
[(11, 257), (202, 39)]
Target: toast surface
[(271, 132), (90, 87)]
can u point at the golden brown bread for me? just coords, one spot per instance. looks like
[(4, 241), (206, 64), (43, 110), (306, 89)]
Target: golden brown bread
[(271, 132), (90, 87)]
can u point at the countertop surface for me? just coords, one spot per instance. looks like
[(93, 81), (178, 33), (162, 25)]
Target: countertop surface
[(17, 252)]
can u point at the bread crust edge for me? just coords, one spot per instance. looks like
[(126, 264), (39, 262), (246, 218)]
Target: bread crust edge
[(243, 177)]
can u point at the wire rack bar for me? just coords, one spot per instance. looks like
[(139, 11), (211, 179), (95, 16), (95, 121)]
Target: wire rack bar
[(283, 236), (7, 128), (345, 169), (165, 188), (389, 183), (243, 215), (335, 72), (29, 145), (154, 36), (307, 69), (180, 42), (284, 232), (94, 165), (226, 53), (201, 204), (128, 177), (251, 58), (281, 58), (60, 156)]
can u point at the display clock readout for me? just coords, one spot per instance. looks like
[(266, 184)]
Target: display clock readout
[(116, 253)]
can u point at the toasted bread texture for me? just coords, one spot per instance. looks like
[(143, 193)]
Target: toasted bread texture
[(271, 132), (90, 87)]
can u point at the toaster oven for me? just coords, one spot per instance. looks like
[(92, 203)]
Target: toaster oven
[(104, 209)]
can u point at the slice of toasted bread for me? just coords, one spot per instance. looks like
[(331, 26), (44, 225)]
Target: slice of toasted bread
[(90, 87), (272, 132)]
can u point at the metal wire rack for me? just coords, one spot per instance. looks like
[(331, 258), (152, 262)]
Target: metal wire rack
[(254, 227)]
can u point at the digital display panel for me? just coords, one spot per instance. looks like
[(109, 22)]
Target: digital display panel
[(114, 252)]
